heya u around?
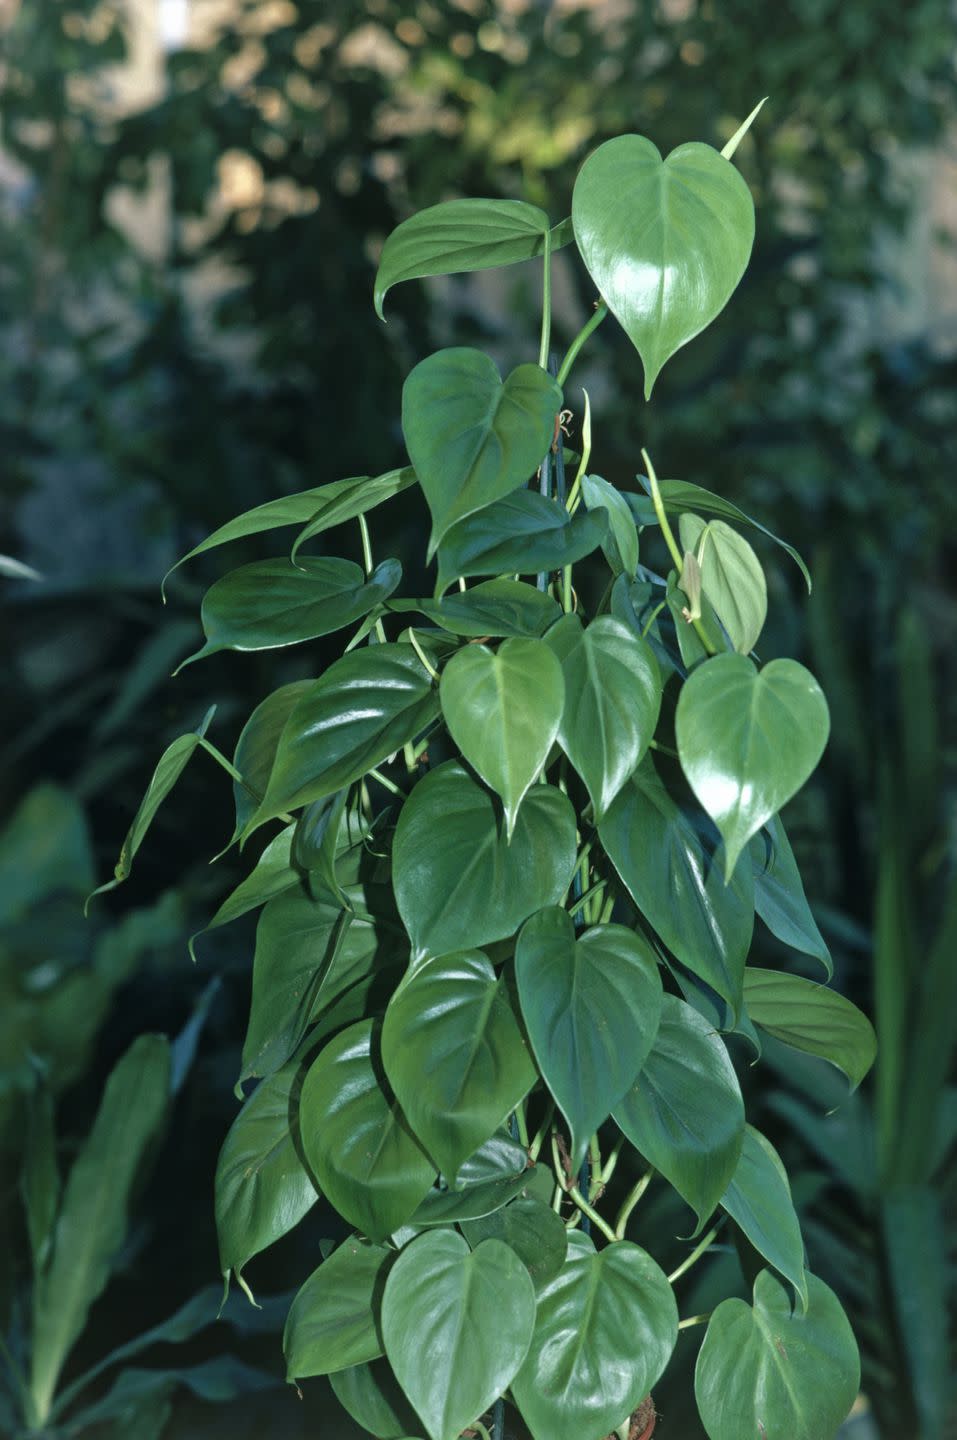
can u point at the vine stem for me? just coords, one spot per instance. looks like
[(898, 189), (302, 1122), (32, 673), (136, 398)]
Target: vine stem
[(630, 1201), (538, 1141), (672, 544), (694, 1320), (590, 326), (575, 1195), (477, 1425), (369, 567), (695, 1255), (546, 303)]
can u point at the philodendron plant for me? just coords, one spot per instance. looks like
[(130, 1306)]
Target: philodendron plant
[(517, 842)]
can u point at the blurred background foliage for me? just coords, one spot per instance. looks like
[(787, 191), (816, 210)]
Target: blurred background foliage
[(193, 194)]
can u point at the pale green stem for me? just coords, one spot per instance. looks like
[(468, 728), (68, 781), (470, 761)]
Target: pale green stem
[(522, 1126), (584, 899), (422, 655), (596, 1184), (546, 304), (695, 1255), (477, 1425), (571, 504), (387, 784), (612, 1161), (653, 617), (539, 1139), (571, 355), (369, 567), (670, 541), (630, 1201), (694, 1320), (597, 1220), (663, 749)]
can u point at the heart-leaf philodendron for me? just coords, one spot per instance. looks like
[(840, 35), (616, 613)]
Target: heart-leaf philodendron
[(511, 828)]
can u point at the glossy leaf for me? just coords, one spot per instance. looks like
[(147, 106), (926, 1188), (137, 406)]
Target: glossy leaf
[(591, 1007), (530, 1228), (262, 1188), (315, 842), (665, 241), (604, 1332), (612, 699), (680, 496), (374, 1398), (496, 1173), (333, 1321), (503, 708), (495, 607), (779, 896), (459, 884), (273, 603), (169, 768), (40, 1175), (364, 708), (759, 1201), (812, 1018), (471, 437), (457, 1325), (356, 1139), (272, 875), (731, 578), (455, 1055), (524, 533), (748, 740), (460, 236), (685, 1112), (256, 747), (93, 1216), (352, 498), (342, 499), (668, 857), (768, 1370), (621, 547)]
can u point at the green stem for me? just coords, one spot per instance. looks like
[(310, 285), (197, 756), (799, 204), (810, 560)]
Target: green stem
[(571, 504), (597, 1220), (522, 1126), (387, 784), (695, 1255), (663, 749), (571, 355), (653, 617), (422, 655), (672, 544), (535, 1148), (584, 899), (612, 1161), (546, 303), (477, 1425), (630, 1201), (694, 1320), (596, 1184), (369, 567)]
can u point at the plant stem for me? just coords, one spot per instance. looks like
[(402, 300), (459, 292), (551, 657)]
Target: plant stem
[(596, 1183), (599, 1223), (522, 1124), (663, 749), (630, 1201), (601, 310), (389, 785), (670, 541), (695, 1255), (583, 899), (694, 1320), (546, 303), (369, 567), (422, 655), (612, 1160), (477, 1425), (571, 504), (535, 1148)]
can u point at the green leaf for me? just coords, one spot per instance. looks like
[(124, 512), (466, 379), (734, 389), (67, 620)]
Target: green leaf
[(503, 709), (530, 1228), (665, 241), (681, 495), (356, 1138), (364, 708), (495, 607), (779, 896), (666, 856), (604, 1332), (93, 1217), (463, 235), (591, 1007), (256, 748), (690, 645), (262, 1188), (218, 1380), (315, 842), (522, 534), (273, 603), (333, 1321), (459, 884), (685, 1112), (455, 1055), (914, 1231), (731, 578), (621, 547), (767, 1371), (812, 1018), (342, 500), (612, 699), (489, 1179), (471, 437), (272, 875), (759, 1200), (353, 497), (39, 1175), (457, 1325), (169, 768), (748, 740), (374, 1398)]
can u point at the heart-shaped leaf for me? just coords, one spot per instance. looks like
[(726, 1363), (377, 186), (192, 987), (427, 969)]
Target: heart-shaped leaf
[(262, 1187), (455, 1055), (685, 1112), (333, 1322), (256, 747), (530, 1228), (459, 883), (779, 896), (459, 236), (612, 699), (665, 241), (591, 1007), (666, 855), (604, 1332), (471, 437), (731, 578), (748, 740), (769, 1371), (621, 547), (524, 533), (503, 709), (494, 1175), (812, 1018), (273, 603), (759, 1200), (374, 1398), (364, 708), (457, 1325), (356, 1138), (496, 607)]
